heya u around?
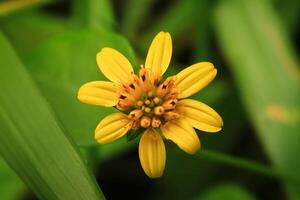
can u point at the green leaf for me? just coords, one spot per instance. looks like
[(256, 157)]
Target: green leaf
[(32, 140), (11, 187), (177, 19), (9, 7), (226, 192), (135, 12), (93, 13), (32, 22), (289, 12), (65, 63), (267, 75)]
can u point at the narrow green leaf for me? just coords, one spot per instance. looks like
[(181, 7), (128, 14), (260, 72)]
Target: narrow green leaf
[(8, 7), (65, 63), (289, 12), (135, 12), (32, 141), (93, 13), (241, 163), (11, 187), (177, 19), (226, 192), (37, 27), (267, 75)]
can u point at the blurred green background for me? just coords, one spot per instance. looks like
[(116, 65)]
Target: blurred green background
[(48, 49)]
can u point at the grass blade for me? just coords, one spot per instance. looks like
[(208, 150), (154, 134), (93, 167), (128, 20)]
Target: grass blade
[(9, 7), (262, 62), (93, 13), (32, 141), (11, 187)]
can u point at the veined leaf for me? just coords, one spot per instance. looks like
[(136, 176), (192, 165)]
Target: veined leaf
[(262, 62), (33, 142), (65, 63)]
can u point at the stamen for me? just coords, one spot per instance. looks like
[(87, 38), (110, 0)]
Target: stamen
[(147, 110), (132, 86), (135, 124), (155, 123), (121, 107), (135, 114), (170, 104), (145, 80), (147, 102), (172, 95), (150, 94), (122, 97), (140, 103), (159, 110), (145, 122), (166, 87), (171, 115)]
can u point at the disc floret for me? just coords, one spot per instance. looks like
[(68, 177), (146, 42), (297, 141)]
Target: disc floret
[(148, 101)]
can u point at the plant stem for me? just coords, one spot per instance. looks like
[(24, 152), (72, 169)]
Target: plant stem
[(233, 161)]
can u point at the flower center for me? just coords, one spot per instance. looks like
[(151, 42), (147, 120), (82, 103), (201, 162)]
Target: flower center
[(148, 101)]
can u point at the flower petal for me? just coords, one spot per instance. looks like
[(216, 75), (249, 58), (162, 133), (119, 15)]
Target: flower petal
[(183, 134), (194, 78), (159, 54), (99, 93), (114, 65), (152, 153), (201, 116), (112, 127)]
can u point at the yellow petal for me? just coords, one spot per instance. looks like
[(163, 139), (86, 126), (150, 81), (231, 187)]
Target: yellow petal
[(99, 93), (159, 54), (152, 153), (112, 127), (114, 65), (194, 78), (201, 116), (182, 134)]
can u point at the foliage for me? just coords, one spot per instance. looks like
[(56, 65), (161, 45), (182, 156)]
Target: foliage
[(48, 50)]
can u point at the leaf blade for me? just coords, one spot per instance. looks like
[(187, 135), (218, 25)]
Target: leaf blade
[(262, 62), (72, 64), (32, 141)]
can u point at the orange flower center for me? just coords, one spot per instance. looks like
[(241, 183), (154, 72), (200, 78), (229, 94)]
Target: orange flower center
[(148, 101)]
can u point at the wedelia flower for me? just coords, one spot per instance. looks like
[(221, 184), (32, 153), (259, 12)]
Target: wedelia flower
[(149, 103)]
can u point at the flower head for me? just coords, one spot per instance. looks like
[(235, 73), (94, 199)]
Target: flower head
[(146, 101)]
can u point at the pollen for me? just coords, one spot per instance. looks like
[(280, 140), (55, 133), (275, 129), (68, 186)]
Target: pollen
[(140, 103), (156, 100), (147, 110), (149, 103), (145, 122)]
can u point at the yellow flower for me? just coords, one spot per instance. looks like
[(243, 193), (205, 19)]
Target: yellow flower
[(147, 102)]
